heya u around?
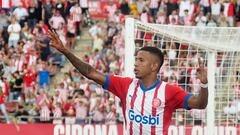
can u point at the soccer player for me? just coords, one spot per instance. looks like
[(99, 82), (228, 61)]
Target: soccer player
[(148, 103)]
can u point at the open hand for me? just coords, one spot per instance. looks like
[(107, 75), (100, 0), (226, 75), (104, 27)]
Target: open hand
[(55, 40)]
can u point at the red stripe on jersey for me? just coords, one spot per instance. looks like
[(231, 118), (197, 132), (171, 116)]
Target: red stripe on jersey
[(142, 111), (154, 110), (132, 104)]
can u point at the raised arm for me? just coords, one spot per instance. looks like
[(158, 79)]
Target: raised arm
[(84, 68), (201, 100)]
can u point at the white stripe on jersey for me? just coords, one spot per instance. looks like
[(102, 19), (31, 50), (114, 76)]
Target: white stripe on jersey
[(160, 110), (128, 103), (138, 108)]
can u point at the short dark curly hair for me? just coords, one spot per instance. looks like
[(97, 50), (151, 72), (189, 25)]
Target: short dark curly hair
[(155, 51)]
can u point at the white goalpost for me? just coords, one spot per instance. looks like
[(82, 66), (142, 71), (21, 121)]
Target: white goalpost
[(219, 49)]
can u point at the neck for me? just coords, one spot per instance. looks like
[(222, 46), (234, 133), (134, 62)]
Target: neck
[(149, 81)]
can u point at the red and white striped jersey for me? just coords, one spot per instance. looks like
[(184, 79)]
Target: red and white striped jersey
[(147, 111), (5, 4), (76, 12), (81, 111), (84, 3), (153, 4), (19, 63), (57, 112), (44, 113)]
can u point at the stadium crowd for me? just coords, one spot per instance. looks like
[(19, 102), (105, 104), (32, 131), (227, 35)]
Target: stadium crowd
[(28, 91)]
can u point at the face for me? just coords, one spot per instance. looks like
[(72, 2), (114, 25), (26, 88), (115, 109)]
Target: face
[(61, 85), (144, 64)]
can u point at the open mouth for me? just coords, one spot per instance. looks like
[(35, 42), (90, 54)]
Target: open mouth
[(136, 71)]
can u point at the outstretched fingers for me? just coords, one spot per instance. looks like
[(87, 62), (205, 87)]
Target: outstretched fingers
[(51, 34), (200, 63), (201, 71)]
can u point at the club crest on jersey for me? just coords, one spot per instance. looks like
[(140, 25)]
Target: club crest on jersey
[(156, 102)]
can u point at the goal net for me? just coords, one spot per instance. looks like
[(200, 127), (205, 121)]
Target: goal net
[(218, 48)]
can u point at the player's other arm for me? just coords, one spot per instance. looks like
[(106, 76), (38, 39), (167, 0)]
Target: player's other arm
[(201, 100), (84, 68)]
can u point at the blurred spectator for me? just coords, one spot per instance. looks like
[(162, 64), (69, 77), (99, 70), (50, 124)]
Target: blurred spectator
[(14, 32), (44, 108), (233, 108), (5, 5), (94, 30), (63, 92), (69, 109), (161, 17), (183, 7), (173, 19), (140, 5), (76, 13), (124, 7), (32, 14), (47, 11), (71, 31), (67, 81), (210, 22), (187, 19), (29, 85), (153, 7), (111, 8), (57, 114), (98, 42), (111, 112), (57, 21), (21, 114), (238, 11), (223, 21), (81, 104), (198, 116), (2, 105), (17, 87), (43, 76), (171, 5), (215, 10), (98, 116), (84, 4), (201, 19), (3, 20), (21, 14), (144, 17), (206, 6)]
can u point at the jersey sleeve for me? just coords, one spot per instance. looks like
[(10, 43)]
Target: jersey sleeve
[(117, 85), (177, 97)]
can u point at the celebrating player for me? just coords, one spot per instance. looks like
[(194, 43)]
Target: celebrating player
[(147, 102)]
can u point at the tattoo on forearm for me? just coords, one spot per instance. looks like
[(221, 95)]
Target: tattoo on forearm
[(81, 66)]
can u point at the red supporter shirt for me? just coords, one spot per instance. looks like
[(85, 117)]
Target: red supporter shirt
[(29, 78), (1, 99), (231, 9)]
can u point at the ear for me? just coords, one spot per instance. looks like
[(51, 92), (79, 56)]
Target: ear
[(155, 66)]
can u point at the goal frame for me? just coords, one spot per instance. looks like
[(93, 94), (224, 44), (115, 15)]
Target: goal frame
[(129, 66)]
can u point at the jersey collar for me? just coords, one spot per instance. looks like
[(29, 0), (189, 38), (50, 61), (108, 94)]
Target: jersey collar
[(150, 88)]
